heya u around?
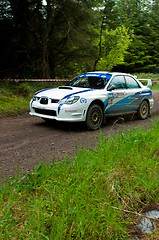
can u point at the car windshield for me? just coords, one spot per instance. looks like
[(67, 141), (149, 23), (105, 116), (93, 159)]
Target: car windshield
[(88, 81)]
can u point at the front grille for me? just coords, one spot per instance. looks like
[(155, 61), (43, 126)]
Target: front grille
[(45, 112), (44, 100), (54, 100)]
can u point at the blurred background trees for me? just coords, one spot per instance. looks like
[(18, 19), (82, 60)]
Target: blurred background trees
[(63, 38)]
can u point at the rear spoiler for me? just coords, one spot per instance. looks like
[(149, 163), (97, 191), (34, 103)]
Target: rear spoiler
[(149, 82)]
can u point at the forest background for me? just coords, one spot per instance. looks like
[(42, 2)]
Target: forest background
[(63, 38)]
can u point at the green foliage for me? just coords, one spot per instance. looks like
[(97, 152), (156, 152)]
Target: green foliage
[(133, 13), (64, 38), (85, 198), (153, 36), (114, 46), (48, 37)]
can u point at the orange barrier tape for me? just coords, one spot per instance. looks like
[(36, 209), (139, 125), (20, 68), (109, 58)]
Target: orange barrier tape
[(43, 80), (35, 80)]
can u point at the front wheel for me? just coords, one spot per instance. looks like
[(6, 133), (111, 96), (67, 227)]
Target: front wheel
[(143, 110), (94, 117)]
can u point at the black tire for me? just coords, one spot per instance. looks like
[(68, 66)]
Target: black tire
[(143, 110), (94, 117)]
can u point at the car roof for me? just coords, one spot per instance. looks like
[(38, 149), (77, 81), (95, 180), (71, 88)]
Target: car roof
[(112, 73)]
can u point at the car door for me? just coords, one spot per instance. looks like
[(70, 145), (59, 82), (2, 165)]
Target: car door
[(117, 95), (134, 94)]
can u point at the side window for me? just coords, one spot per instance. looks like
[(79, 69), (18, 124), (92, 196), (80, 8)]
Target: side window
[(118, 82), (131, 83)]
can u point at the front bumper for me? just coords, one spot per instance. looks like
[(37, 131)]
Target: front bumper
[(68, 113), (151, 101)]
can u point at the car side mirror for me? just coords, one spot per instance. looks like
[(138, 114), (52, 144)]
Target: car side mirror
[(112, 87)]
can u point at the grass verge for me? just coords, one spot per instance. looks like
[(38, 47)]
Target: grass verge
[(86, 198), (15, 97)]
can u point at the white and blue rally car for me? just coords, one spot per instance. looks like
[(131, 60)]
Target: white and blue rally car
[(90, 96)]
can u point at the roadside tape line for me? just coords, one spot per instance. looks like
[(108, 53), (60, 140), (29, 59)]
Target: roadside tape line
[(43, 80), (34, 80)]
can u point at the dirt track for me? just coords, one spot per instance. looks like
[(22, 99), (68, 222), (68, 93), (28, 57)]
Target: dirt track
[(26, 140)]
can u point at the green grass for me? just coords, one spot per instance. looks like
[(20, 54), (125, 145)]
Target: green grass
[(15, 97), (13, 105), (155, 87), (86, 197), (153, 77)]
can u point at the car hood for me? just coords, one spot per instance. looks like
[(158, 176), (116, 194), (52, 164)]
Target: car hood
[(62, 92)]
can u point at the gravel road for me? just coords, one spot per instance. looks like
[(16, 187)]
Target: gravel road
[(26, 140)]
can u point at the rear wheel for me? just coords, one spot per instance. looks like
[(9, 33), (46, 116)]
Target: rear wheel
[(143, 110), (94, 117)]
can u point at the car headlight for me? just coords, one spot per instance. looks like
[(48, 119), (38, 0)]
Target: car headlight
[(70, 100), (35, 98)]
